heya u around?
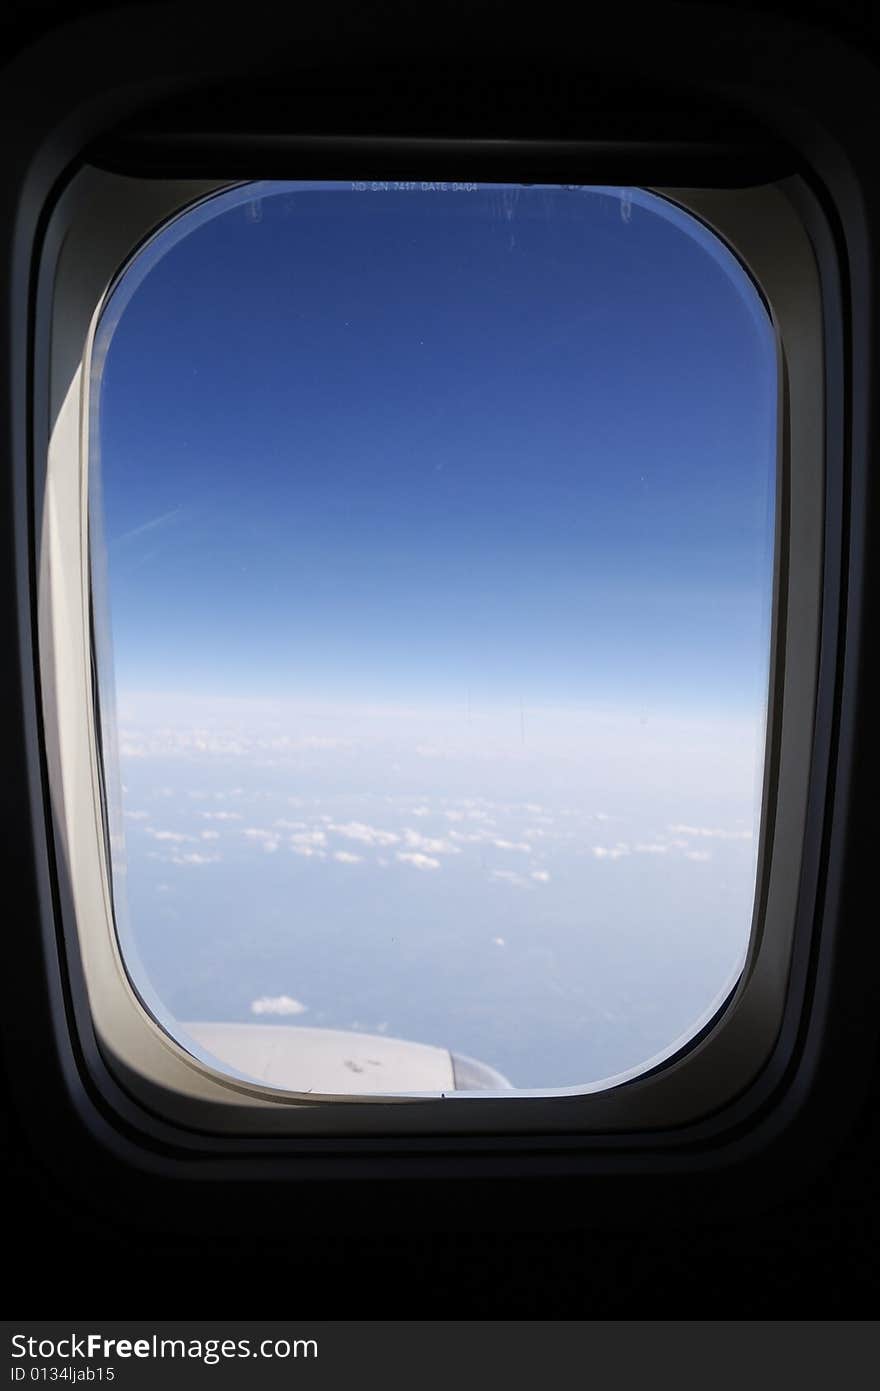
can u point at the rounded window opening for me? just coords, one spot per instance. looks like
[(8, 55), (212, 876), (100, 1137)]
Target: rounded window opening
[(432, 540)]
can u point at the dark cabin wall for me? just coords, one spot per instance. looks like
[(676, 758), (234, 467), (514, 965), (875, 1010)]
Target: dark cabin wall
[(810, 1256)]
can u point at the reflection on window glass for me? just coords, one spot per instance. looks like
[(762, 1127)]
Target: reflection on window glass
[(433, 534)]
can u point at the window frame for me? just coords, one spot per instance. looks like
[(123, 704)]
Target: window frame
[(101, 226), (830, 966)]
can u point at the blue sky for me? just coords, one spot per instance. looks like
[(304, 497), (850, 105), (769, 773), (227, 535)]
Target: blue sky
[(461, 496)]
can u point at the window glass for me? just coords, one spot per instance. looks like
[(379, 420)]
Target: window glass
[(432, 543)]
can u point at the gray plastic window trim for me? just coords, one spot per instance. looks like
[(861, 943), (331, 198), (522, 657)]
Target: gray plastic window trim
[(96, 228)]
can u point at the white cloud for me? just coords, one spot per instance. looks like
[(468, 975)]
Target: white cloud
[(610, 852), (345, 857), (541, 875), (711, 832), (138, 815), (420, 811), (267, 839), (290, 825), (485, 836), (277, 1004), (220, 815), (652, 849), (177, 743), (508, 876), (309, 852), (177, 837), (431, 845), (498, 942), (308, 838), (417, 860), (209, 835), (194, 858), (367, 835), (701, 855), (287, 743)]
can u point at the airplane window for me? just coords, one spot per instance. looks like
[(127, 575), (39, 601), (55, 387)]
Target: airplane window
[(432, 534)]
